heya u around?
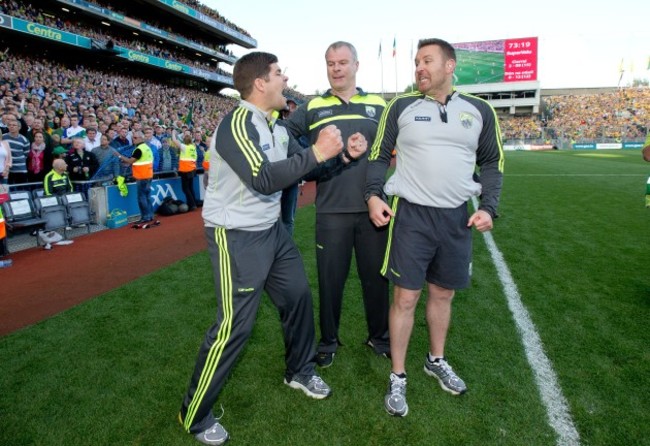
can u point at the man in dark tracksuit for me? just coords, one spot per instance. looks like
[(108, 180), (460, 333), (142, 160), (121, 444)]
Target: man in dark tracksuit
[(342, 222), (251, 161)]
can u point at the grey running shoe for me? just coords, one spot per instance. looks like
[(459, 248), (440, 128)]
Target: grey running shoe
[(324, 359), (215, 435), (395, 399), (313, 386), (441, 370)]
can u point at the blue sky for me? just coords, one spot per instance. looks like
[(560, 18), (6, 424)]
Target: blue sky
[(581, 43)]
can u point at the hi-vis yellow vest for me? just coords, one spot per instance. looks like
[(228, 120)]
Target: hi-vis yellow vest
[(143, 168), (206, 160), (3, 230), (187, 160)]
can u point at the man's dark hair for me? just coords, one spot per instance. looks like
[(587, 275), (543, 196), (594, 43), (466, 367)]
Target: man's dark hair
[(447, 49), (255, 65)]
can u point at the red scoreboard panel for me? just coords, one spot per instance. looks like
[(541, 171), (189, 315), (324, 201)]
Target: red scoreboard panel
[(520, 59)]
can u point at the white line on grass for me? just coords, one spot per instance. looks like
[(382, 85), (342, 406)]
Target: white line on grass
[(556, 404), (574, 175)]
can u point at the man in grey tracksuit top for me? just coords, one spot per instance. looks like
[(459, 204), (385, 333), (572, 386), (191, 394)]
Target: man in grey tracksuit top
[(440, 137), (251, 161)]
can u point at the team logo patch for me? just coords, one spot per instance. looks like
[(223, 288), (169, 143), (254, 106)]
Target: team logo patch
[(370, 111), (324, 113), (265, 147), (423, 118), (466, 120)]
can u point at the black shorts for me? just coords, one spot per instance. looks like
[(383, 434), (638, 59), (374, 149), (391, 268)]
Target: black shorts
[(428, 244)]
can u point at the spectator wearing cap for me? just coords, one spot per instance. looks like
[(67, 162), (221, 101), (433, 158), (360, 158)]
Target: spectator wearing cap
[(159, 131), (58, 151)]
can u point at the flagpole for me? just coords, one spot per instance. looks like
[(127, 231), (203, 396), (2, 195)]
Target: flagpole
[(381, 61), (411, 62), (395, 59)]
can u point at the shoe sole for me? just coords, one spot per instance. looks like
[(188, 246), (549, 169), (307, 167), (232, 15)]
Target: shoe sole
[(211, 443), (442, 385), (397, 414), (298, 386)]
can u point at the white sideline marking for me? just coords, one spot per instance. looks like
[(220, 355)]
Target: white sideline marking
[(556, 404), (575, 175)]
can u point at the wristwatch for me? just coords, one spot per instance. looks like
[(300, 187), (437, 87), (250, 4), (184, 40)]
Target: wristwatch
[(347, 155)]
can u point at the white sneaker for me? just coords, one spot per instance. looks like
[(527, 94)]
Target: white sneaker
[(215, 435)]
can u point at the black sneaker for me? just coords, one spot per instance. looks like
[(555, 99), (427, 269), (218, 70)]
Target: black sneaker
[(324, 359), (385, 354)]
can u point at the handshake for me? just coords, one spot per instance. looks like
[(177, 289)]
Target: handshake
[(330, 143)]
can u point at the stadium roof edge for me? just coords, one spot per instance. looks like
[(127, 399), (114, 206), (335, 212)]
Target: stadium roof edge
[(205, 22)]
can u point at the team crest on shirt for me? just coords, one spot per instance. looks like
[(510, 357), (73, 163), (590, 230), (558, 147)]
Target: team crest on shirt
[(370, 111), (466, 120)]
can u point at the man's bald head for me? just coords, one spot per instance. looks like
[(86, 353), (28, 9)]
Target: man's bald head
[(59, 165)]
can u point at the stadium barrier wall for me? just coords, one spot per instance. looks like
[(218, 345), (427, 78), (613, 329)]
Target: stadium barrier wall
[(575, 146), (104, 199)]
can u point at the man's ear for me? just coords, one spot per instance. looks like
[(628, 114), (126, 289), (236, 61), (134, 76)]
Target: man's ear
[(259, 84)]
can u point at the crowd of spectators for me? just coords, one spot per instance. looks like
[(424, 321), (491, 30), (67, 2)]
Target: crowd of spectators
[(79, 108), (152, 21), (119, 37), (623, 114), (215, 15), (487, 46)]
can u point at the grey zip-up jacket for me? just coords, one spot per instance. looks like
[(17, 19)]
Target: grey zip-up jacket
[(438, 148), (251, 160)]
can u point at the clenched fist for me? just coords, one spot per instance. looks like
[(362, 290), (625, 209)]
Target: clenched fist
[(357, 145), (329, 143)]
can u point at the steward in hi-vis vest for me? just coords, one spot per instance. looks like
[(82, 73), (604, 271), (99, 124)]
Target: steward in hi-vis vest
[(186, 165), (206, 161), (141, 162), (187, 158), (3, 230), (143, 167)]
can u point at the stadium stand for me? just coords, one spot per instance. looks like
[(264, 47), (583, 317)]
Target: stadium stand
[(604, 115), (123, 66), (132, 65)]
